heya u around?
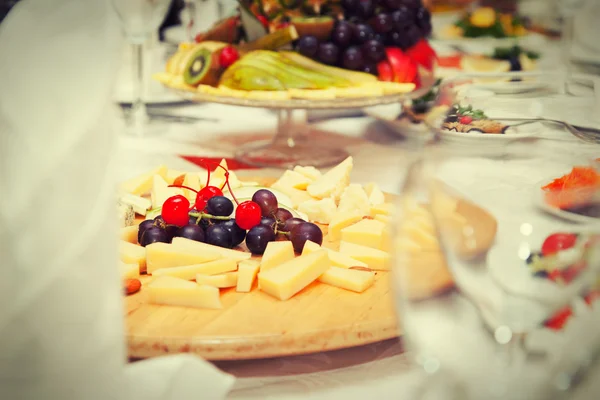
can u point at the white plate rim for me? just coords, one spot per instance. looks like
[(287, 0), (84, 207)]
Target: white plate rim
[(538, 200)]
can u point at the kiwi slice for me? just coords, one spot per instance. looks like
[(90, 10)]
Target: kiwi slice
[(197, 69)]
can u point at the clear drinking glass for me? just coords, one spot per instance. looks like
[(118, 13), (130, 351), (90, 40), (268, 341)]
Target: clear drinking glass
[(140, 19), (497, 278)]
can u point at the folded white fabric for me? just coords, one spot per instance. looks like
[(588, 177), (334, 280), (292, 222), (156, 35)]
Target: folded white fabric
[(61, 312)]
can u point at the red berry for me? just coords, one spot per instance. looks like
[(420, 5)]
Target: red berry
[(466, 120), (263, 20), (204, 195), (247, 215), (228, 56), (175, 210), (558, 320), (557, 242)]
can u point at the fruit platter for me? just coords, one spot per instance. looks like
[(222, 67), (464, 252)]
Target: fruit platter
[(303, 55), (485, 22), (238, 269)]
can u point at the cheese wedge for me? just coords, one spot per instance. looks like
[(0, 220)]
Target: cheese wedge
[(423, 235), (349, 279), (140, 205), (384, 209), (143, 183), (130, 234), (247, 272), (217, 177), (341, 220), (173, 174), (226, 280), (288, 279), (367, 232), (310, 172), (276, 254), (320, 211), (386, 219), (335, 258), (191, 180), (192, 245), (296, 196), (333, 182), (170, 291), (131, 253), (161, 191), (129, 271), (293, 179), (375, 259), (353, 198), (166, 255), (376, 196), (189, 272)]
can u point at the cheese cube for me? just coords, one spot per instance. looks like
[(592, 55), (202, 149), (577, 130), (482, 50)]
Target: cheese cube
[(276, 254), (320, 211), (335, 258), (310, 172), (191, 180), (247, 272), (226, 280), (296, 196), (341, 220), (353, 198), (166, 255), (293, 179), (140, 205), (161, 191), (385, 209), (376, 196), (333, 182), (189, 272), (200, 247), (129, 271), (366, 232), (130, 234), (375, 259), (131, 253), (349, 279), (171, 291), (143, 183), (288, 279)]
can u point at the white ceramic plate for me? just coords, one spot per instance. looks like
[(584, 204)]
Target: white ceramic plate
[(514, 133), (517, 87), (388, 115), (539, 201)]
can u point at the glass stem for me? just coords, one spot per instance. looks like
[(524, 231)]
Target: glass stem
[(138, 115), (290, 130)]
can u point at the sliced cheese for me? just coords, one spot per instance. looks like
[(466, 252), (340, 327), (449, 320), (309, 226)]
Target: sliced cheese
[(310, 172), (200, 247), (226, 280), (296, 196), (320, 211), (129, 271), (189, 272), (161, 191), (143, 183), (383, 209), (375, 259), (131, 253), (335, 258), (247, 272), (353, 198), (376, 196), (191, 180), (130, 234), (288, 279), (333, 182), (341, 220), (349, 279), (276, 254), (171, 291), (140, 205), (293, 179), (166, 255), (367, 232)]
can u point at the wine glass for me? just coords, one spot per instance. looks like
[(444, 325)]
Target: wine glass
[(140, 19), (497, 264)]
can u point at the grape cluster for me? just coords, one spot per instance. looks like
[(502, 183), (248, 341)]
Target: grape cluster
[(358, 41)]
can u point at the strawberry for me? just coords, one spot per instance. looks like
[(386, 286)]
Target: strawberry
[(422, 54), (384, 71), (404, 68)]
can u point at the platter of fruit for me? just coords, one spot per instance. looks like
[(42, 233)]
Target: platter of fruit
[(234, 269), (294, 54)]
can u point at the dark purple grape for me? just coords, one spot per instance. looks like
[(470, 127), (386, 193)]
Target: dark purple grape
[(383, 23), (370, 69), (237, 234), (308, 46), (365, 9), (268, 221), (411, 36), (379, 37), (170, 230), (402, 18), (291, 223), (362, 33), (142, 228), (353, 58), (412, 3), (154, 234), (266, 200), (282, 215), (193, 232), (423, 18), (303, 232), (350, 5), (329, 53), (342, 33), (219, 206), (373, 51), (258, 238), (219, 235), (391, 4)]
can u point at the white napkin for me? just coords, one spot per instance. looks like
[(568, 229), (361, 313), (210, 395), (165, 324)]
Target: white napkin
[(61, 313)]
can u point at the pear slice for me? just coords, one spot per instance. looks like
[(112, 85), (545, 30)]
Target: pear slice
[(352, 76)]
